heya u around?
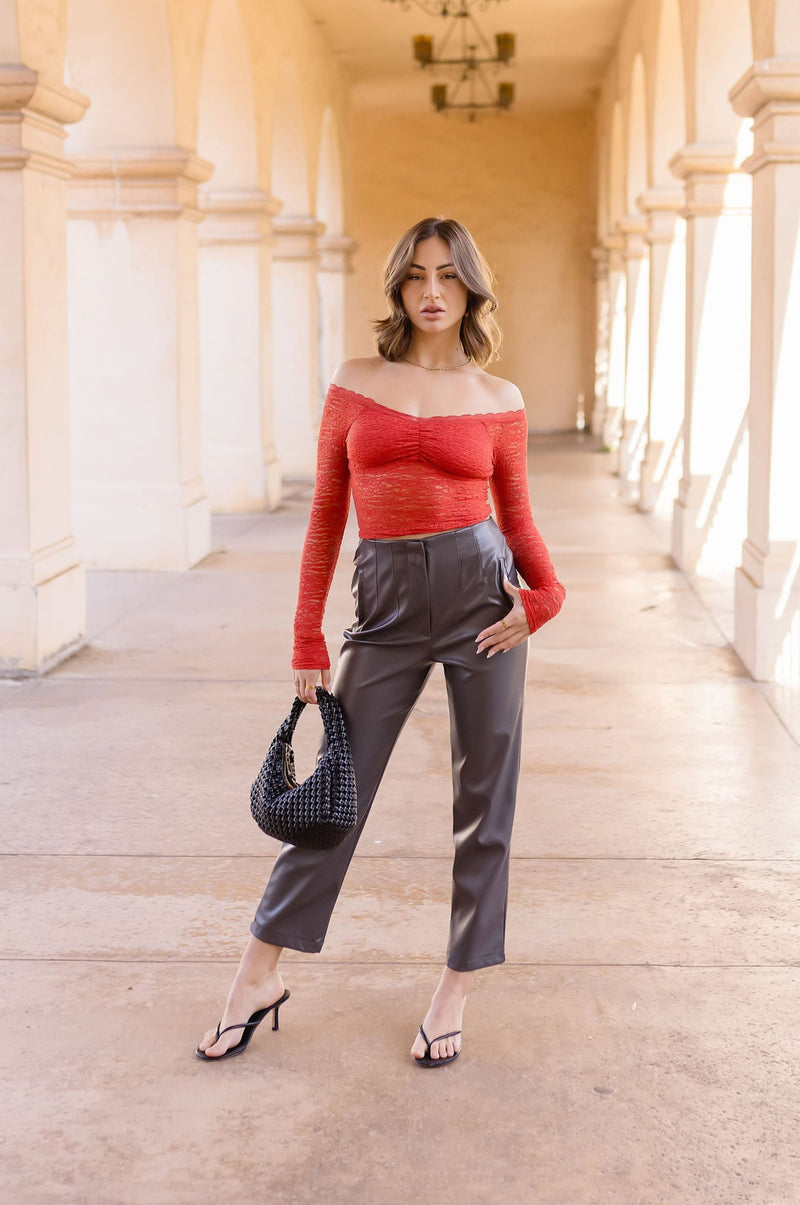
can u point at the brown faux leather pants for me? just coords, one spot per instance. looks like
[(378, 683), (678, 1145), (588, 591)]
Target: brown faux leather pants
[(417, 602)]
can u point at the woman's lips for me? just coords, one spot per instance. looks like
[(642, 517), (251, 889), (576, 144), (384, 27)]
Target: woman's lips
[(432, 311)]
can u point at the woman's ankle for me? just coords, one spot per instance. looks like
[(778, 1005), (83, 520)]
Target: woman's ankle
[(454, 983), (258, 964)]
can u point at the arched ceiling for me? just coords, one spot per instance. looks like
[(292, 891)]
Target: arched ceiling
[(563, 48)]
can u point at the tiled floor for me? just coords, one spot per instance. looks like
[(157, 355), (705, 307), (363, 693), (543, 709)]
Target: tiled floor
[(639, 1046)]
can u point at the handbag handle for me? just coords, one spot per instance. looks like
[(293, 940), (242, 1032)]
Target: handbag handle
[(328, 707)]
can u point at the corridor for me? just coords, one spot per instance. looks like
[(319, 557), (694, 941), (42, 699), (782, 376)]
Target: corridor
[(639, 1046)]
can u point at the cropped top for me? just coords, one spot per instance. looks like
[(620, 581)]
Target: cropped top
[(410, 475)]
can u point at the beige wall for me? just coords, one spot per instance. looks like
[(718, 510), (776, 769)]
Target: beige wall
[(524, 186)]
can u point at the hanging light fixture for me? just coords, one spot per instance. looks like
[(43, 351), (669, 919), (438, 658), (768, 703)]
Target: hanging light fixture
[(466, 63)]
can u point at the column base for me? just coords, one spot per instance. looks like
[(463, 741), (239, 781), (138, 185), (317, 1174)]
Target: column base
[(140, 527), (629, 458), (649, 485), (630, 446), (41, 623), (688, 534), (764, 613), (597, 420), (611, 427)]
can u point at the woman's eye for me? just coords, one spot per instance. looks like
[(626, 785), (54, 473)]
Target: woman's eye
[(450, 276)]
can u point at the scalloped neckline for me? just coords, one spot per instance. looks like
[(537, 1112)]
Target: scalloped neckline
[(426, 418)]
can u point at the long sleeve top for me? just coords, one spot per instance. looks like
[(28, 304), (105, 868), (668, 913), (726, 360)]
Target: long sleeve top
[(409, 475)]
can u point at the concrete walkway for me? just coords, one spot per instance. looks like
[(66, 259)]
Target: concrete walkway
[(640, 1045)]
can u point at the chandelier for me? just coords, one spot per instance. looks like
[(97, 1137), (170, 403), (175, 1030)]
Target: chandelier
[(466, 57)]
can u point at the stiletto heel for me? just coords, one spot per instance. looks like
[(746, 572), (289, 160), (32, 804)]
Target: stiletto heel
[(249, 1028)]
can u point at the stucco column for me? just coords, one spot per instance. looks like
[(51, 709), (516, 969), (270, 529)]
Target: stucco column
[(767, 611), (295, 351), (139, 498), (634, 416), (666, 239), (617, 336), (335, 251), (42, 586), (240, 465), (717, 370), (602, 339)]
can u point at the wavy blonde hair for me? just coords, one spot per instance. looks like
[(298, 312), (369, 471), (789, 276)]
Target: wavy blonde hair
[(480, 335)]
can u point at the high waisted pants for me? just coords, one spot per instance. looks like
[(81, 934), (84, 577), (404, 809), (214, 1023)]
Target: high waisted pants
[(421, 601)]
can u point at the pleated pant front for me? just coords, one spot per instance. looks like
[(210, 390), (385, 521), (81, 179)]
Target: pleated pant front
[(421, 601)]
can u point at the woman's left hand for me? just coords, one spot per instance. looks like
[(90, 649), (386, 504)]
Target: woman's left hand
[(512, 629)]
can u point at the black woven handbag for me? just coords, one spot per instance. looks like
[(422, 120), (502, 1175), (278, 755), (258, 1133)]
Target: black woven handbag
[(319, 812)]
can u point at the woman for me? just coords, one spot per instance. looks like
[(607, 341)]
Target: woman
[(417, 433)]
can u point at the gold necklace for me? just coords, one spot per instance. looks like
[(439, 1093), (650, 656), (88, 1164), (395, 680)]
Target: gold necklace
[(452, 367)]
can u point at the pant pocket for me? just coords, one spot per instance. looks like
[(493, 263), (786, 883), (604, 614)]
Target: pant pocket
[(357, 591), (505, 568), (374, 590)]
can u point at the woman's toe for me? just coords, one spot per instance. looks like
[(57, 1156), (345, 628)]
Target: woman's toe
[(209, 1039)]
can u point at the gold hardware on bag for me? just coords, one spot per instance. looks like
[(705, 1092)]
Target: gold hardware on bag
[(288, 767)]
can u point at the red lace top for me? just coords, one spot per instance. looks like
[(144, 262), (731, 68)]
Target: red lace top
[(412, 475)]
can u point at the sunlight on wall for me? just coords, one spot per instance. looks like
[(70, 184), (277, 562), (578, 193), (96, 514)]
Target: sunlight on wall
[(785, 479), (724, 513), (667, 381), (636, 367), (616, 359), (601, 353)]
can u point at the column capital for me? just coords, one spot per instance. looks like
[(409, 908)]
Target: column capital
[(704, 159), (600, 256), (33, 113), (137, 182), (664, 200), (236, 216), (633, 228), (22, 88), (764, 81), (769, 92), (295, 236), (662, 207), (614, 245), (335, 251), (713, 178)]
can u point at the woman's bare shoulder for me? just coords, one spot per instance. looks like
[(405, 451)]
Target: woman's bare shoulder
[(504, 395), (356, 373)]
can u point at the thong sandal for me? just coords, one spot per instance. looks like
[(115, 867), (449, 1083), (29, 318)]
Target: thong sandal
[(426, 1060), (249, 1028)]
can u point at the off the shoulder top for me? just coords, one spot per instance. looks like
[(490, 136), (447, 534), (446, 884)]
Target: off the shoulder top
[(410, 475)]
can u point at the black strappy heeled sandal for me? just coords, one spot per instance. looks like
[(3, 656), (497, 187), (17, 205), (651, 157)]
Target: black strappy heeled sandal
[(426, 1060), (249, 1028)]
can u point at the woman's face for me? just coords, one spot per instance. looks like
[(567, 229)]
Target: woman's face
[(432, 294)]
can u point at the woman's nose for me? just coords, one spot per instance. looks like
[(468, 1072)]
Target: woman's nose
[(432, 287)]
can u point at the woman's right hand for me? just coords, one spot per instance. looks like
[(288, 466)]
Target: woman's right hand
[(305, 683)]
